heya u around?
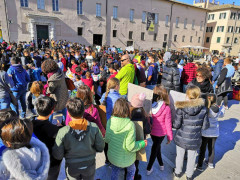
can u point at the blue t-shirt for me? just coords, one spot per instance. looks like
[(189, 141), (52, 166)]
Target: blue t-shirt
[(152, 71)]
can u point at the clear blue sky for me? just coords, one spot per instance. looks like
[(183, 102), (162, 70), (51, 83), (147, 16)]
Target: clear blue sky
[(237, 2)]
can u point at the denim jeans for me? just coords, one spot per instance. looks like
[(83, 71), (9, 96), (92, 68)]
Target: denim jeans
[(214, 86), (21, 97), (184, 88), (130, 172), (64, 113), (5, 103)]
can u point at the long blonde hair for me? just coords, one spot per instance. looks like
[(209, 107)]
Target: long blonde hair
[(112, 84), (193, 92)]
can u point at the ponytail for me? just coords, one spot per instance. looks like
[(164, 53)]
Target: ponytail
[(112, 84)]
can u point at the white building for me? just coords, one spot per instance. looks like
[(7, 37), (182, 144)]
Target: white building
[(104, 22)]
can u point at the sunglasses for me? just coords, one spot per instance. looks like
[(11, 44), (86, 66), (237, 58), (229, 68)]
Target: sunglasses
[(124, 59), (199, 75)]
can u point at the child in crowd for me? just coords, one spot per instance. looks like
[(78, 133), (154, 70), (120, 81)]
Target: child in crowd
[(191, 119), (161, 125), (4, 115), (209, 136), (91, 112), (139, 114), (78, 143), (121, 139), (73, 66), (36, 91), (25, 157), (46, 131), (88, 81)]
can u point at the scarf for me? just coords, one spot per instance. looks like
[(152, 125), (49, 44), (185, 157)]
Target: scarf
[(80, 124), (205, 86)]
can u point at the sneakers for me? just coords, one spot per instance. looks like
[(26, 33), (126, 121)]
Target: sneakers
[(149, 172), (225, 107), (162, 168), (199, 168), (175, 174), (210, 165)]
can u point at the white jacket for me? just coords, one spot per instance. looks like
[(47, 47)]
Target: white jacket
[(25, 163), (213, 115)]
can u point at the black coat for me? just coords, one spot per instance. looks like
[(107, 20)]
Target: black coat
[(224, 83), (191, 118), (170, 76)]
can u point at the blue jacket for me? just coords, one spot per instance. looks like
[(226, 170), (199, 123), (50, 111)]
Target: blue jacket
[(217, 69), (112, 97), (152, 71), (96, 70), (19, 76)]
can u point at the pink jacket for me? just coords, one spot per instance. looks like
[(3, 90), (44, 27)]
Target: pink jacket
[(92, 117), (162, 123)]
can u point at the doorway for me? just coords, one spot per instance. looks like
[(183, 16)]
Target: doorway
[(97, 39), (42, 32)]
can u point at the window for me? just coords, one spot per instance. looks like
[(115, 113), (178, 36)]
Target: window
[(156, 18), (201, 25), (130, 35), (237, 30), (220, 28), (222, 16), (209, 29), (98, 10), (175, 38), (238, 16), (80, 31), (177, 21), (114, 33), (142, 36), (24, 3), (233, 15), (79, 7), (185, 23), (207, 39), (211, 17), (165, 37), (235, 40), (193, 24), (199, 39), (230, 29), (115, 12), (228, 39), (183, 38), (155, 37), (167, 19), (218, 39), (55, 5), (144, 16), (131, 17), (41, 4), (191, 38)]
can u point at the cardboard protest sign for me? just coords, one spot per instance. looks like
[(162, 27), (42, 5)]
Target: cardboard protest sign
[(175, 96), (135, 89), (141, 155)]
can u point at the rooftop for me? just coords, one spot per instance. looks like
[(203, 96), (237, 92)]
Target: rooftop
[(186, 4), (224, 6)]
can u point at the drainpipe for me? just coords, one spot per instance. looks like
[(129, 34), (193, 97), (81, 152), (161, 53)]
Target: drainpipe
[(204, 29), (234, 29), (5, 5), (106, 38), (170, 28)]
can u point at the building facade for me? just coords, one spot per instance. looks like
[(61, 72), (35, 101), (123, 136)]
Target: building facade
[(105, 22)]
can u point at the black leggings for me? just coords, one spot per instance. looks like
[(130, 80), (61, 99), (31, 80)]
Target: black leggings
[(223, 97), (156, 151), (210, 141)]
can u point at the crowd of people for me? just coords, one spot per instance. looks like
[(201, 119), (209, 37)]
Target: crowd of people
[(75, 81)]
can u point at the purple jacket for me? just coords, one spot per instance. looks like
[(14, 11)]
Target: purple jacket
[(96, 69)]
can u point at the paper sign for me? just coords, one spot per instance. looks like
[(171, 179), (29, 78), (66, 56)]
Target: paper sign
[(141, 155), (175, 96), (135, 89)]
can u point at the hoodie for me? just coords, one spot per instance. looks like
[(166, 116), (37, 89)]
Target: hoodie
[(19, 77), (122, 144), (78, 146), (26, 163)]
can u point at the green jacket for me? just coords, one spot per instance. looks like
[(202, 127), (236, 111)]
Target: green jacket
[(122, 144), (75, 150), (125, 75)]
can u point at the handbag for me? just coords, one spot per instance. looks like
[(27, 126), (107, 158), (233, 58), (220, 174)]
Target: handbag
[(70, 84)]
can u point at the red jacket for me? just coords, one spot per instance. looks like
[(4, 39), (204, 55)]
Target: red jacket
[(63, 60), (188, 73), (73, 68)]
